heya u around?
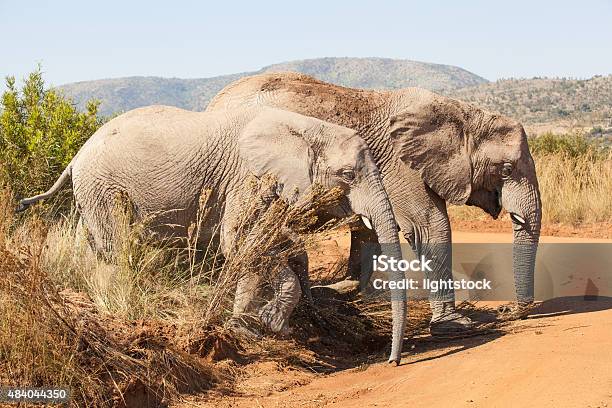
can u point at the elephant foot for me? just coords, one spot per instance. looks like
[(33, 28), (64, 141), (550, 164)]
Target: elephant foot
[(241, 328), (447, 321), (394, 362), (515, 311), (453, 324), (274, 319)]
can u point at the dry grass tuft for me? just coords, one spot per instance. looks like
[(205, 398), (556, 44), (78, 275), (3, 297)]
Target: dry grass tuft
[(50, 336), (575, 189)]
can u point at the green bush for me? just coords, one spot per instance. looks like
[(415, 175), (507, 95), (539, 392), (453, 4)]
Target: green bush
[(40, 132), (571, 145)]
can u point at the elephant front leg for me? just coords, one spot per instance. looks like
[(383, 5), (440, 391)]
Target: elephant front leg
[(243, 320), (275, 314), (445, 320), (429, 235)]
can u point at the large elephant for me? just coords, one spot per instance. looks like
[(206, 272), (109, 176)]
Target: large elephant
[(162, 158), (431, 150)]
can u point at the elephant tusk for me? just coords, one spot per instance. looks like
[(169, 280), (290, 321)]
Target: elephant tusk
[(517, 219), (367, 222)]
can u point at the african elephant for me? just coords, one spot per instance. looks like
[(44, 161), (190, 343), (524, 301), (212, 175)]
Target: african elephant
[(431, 150), (162, 159)]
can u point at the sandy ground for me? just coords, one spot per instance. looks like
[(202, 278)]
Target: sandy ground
[(334, 247), (561, 360), (504, 225), (499, 237), (559, 357)]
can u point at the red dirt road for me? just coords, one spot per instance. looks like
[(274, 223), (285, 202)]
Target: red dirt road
[(560, 361), (560, 357)]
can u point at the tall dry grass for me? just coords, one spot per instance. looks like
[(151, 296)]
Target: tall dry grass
[(575, 189), (68, 319)]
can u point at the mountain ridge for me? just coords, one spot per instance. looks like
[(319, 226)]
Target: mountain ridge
[(121, 94), (574, 102)]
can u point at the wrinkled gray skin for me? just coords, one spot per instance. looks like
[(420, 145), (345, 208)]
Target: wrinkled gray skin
[(431, 150), (161, 159)]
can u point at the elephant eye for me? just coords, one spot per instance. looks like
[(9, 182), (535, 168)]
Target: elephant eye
[(506, 170), (348, 174)]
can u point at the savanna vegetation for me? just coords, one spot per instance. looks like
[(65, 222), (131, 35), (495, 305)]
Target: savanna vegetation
[(587, 102), (575, 176), (150, 327)]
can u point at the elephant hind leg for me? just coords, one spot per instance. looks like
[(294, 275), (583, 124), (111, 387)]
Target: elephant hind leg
[(101, 226), (83, 239)]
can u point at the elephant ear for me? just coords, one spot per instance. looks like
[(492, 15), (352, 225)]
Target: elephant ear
[(273, 148), (430, 138)]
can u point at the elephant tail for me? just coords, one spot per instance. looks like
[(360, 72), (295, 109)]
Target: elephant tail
[(27, 202)]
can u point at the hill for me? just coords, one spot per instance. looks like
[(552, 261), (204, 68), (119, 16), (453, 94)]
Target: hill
[(560, 103), (539, 100), (382, 73), (122, 94)]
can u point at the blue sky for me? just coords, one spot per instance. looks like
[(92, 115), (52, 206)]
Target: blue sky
[(81, 40)]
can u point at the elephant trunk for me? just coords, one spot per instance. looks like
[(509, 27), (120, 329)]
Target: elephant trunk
[(522, 200), (373, 203)]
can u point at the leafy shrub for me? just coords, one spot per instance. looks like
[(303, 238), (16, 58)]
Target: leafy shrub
[(40, 132)]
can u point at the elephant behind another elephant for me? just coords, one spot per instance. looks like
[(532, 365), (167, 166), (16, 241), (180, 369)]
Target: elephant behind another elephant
[(431, 150)]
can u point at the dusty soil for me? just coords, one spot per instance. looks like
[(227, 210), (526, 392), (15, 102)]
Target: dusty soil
[(503, 225), (331, 253), (558, 357)]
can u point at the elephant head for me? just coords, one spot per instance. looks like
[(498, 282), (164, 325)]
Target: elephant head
[(300, 155), (468, 156)]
